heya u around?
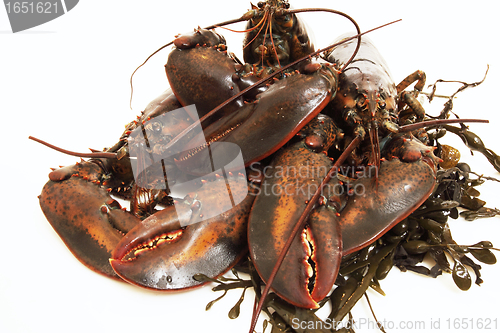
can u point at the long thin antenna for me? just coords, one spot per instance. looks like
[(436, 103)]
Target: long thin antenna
[(72, 153), (437, 122), (358, 30)]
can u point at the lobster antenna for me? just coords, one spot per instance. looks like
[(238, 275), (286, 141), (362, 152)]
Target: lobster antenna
[(243, 18), (437, 122), (258, 33), (225, 103), (270, 30), (93, 154), (333, 11), (145, 61), (300, 225), (241, 31)]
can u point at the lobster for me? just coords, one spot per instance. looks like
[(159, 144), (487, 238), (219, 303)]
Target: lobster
[(117, 176)]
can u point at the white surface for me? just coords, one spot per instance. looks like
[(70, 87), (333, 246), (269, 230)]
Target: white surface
[(67, 82)]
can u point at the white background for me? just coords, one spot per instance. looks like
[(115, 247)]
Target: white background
[(67, 82)]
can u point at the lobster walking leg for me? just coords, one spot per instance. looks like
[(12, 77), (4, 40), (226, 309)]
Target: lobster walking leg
[(417, 76), (409, 98)]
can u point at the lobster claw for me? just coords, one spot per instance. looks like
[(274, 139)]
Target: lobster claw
[(205, 75), (83, 214), (291, 102), (310, 267), (380, 202), (199, 71), (204, 233)]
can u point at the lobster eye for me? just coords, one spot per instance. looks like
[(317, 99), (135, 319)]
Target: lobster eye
[(261, 4), (382, 105), (361, 102)]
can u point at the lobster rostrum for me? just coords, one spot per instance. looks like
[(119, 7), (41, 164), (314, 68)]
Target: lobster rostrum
[(310, 120)]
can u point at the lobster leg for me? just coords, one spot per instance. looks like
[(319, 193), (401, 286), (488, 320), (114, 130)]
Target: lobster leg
[(314, 256), (410, 99), (168, 248), (418, 76)]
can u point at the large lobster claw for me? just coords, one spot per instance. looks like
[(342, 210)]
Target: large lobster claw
[(381, 201), (86, 218), (309, 269), (168, 248), (199, 71), (292, 102)]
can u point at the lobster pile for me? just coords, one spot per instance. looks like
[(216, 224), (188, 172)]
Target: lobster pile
[(315, 164)]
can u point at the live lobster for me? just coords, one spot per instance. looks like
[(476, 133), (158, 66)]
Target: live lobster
[(111, 174)]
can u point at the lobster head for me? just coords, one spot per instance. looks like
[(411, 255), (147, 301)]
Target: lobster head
[(366, 100), (274, 36)]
